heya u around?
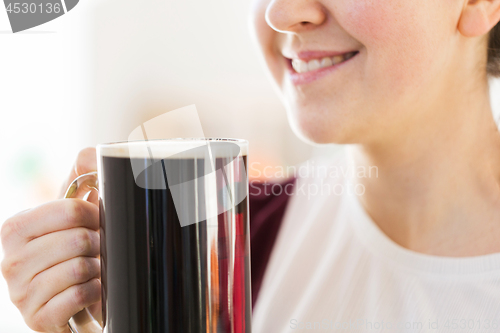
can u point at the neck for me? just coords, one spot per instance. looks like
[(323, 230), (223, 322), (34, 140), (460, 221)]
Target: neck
[(437, 189)]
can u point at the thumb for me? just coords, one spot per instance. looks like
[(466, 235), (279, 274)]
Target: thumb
[(86, 162)]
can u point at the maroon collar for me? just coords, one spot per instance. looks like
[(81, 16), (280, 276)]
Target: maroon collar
[(268, 202)]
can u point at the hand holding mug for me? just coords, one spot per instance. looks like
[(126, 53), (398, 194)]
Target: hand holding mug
[(51, 257)]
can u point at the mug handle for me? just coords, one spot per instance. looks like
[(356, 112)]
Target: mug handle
[(83, 321)]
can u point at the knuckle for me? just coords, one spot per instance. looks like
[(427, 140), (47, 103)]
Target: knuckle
[(10, 266), (11, 228), (81, 269), (87, 293), (73, 211), (82, 241), (7, 230), (6, 269), (84, 156), (85, 152), (80, 295), (36, 322), (18, 299)]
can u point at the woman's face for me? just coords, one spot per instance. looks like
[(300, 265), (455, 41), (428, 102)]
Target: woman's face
[(404, 51)]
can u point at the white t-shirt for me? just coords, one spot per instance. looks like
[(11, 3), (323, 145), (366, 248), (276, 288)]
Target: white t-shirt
[(332, 269)]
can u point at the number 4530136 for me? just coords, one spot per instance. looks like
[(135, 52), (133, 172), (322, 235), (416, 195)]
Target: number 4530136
[(32, 8)]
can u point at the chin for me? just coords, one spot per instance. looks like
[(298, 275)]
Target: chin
[(320, 128), (318, 133)]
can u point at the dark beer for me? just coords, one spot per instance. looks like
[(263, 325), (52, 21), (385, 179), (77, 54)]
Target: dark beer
[(159, 277)]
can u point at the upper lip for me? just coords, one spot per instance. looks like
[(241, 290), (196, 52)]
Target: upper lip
[(310, 55)]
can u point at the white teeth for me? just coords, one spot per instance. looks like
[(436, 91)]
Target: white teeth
[(301, 66), (325, 62), (313, 65)]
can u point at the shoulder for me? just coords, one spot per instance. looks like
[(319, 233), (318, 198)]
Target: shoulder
[(295, 195)]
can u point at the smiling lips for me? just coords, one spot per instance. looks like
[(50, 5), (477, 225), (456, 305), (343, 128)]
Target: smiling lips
[(301, 66), (309, 66)]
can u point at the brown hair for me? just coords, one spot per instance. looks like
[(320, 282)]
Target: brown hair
[(493, 67)]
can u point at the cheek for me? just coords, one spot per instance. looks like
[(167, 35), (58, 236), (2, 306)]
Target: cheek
[(367, 19), (258, 23), (398, 38), (266, 38)]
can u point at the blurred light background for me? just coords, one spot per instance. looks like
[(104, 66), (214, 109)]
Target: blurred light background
[(101, 70)]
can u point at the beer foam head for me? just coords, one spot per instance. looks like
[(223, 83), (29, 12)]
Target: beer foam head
[(175, 148)]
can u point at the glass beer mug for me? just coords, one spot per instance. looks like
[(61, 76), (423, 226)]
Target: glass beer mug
[(175, 241)]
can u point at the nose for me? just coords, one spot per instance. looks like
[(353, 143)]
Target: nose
[(294, 15)]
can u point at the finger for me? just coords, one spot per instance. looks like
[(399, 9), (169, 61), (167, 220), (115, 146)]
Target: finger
[(51, 217), (86, 161), (51, 249), (94, 197), (96, 310), (43, 253), (55, 314), (58, 278)]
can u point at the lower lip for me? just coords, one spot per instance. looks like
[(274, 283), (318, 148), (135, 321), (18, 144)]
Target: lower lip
[(303, 78)]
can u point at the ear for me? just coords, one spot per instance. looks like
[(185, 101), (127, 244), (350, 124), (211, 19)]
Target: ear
[(479, 17)]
